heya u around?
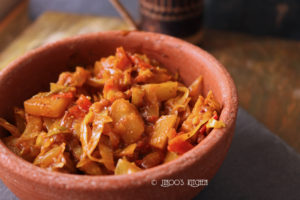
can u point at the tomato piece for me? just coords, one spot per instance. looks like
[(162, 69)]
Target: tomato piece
[(179, 145), (109, 85), (123, 59), (84, 103), (140, 63), (216, 117), (81, 107), (202, 130)]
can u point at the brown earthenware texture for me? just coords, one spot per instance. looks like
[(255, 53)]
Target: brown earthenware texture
[(180, 18), (33, 72)]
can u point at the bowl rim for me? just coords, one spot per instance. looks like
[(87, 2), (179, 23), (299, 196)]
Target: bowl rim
[(21, 168)]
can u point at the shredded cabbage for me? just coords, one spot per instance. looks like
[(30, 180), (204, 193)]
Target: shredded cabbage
[(120, 116)]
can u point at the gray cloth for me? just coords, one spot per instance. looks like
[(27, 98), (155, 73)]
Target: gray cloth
[(259, 165)]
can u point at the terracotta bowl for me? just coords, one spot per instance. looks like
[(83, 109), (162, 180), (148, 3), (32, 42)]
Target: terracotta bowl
[(34, 71)]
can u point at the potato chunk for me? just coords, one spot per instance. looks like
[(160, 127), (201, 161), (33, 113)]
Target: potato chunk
[(127, 121), (47, 106), (196, 88), (137, 96), (161, 128), (170, 156), (152, 159), (163, 91), (126, 167)]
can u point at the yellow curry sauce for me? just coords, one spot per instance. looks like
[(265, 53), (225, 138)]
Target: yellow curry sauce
[(120, 116)]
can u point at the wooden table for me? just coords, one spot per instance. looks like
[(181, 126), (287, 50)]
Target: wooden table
[(266, 70), (267, 74)]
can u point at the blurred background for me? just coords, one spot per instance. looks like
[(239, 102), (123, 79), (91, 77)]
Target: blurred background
[(268, 17), (257, 41)]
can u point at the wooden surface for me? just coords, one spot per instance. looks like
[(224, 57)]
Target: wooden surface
[(14, 23), (7, 6), (51, 27), (267, 74), (266, 70)]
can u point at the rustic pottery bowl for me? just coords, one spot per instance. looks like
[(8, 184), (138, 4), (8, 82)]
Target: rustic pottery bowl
[(33, 72)]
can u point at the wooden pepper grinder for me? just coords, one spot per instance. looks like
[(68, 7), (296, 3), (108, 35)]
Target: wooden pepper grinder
[(179, 18)]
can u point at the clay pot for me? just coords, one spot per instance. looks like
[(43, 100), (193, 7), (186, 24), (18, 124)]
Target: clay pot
[(33, 72)]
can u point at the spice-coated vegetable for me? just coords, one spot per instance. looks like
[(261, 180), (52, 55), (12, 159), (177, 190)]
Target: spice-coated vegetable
[(120, 116)]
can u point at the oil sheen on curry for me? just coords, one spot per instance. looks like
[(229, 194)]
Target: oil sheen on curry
[(120, 116)]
